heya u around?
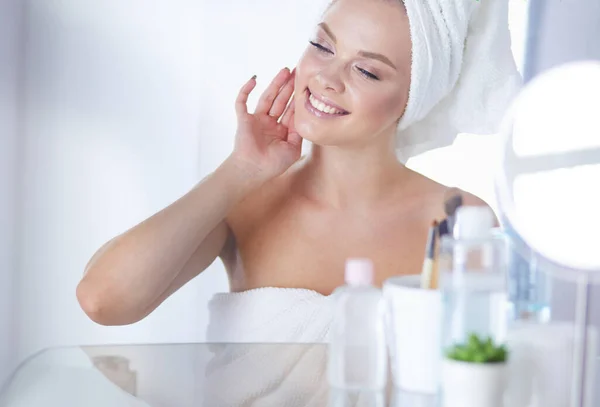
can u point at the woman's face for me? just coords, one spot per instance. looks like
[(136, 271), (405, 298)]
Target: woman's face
[(352, 81)]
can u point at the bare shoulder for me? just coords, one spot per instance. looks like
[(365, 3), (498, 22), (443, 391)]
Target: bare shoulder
[(471, 200)]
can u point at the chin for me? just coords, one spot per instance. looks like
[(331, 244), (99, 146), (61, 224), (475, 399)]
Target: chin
[(318, 134)]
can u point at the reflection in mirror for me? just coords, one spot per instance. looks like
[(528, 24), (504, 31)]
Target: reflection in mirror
[(128, 136), (126, 107), (375, 85)]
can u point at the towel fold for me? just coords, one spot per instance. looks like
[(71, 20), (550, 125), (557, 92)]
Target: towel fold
[(463, 74), (269, 347), (274, 375), (270, 315), (266, 375)]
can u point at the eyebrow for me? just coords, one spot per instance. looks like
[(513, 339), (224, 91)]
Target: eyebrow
[(366, 54)]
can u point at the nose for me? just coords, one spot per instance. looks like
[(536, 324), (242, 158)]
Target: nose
[(331, 78)]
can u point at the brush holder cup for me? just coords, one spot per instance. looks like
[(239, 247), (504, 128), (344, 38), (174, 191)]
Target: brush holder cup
[(414, 316)]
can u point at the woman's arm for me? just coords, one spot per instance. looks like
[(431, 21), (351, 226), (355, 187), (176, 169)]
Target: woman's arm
[(135, 272)]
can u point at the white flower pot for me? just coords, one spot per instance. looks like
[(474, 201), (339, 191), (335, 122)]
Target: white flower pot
[(473, 384)]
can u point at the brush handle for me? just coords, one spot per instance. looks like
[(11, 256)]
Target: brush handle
[(435, 275), (427, 273)]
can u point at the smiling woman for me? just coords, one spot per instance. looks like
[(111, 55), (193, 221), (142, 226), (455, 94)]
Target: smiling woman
[(359, 61), (283, 225)]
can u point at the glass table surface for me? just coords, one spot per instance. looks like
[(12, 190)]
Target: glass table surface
[(185, 375)]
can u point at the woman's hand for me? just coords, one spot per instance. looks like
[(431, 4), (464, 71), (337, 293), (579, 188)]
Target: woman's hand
[(266, 142)]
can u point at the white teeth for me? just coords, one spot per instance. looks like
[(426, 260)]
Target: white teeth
[(322, 106)]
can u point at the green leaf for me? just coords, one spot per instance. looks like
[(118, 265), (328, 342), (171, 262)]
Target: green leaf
[(476, 350)]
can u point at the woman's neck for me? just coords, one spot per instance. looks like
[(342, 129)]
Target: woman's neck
[(347, 177)]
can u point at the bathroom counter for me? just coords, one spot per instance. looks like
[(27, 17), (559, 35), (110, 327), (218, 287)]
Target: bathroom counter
[(185, 375)]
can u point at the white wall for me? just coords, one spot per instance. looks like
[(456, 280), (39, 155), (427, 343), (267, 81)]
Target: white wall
[(128, 104), (10, 18), (111, 137)]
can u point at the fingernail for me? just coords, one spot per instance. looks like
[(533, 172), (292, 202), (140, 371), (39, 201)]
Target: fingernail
[(253, 77)]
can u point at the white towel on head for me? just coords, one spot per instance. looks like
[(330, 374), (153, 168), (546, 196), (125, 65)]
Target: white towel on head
[(463, 74)]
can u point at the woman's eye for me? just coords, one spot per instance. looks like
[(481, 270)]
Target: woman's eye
[(320, 47), (363, 72), (367, 74)]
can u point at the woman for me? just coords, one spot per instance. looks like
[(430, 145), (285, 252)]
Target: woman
[(276, 219)]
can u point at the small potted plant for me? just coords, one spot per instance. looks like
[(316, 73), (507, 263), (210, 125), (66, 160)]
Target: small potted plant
[(474, 374)]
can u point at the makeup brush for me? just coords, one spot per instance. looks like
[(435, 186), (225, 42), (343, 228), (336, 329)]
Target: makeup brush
[(428, 263), (435, 273), (453, 200)]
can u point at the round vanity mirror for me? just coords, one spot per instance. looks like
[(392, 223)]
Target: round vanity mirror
[(548, 183)]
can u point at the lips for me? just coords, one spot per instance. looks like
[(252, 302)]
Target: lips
[(322, 107)]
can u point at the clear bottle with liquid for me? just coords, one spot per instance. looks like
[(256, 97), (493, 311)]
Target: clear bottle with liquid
[(473, 267), (357, 348), (475, 312)]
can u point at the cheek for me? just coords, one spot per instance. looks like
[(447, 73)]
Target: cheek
[(307, 67), (383, 107)]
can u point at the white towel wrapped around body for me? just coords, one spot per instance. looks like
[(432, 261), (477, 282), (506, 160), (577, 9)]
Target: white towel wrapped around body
[(269, 348), (264, 375), (268, 315)]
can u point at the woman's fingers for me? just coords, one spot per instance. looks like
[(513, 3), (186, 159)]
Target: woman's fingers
[(293, 137), (268, 97), (289, 112), (282, 99), (241, 107)]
